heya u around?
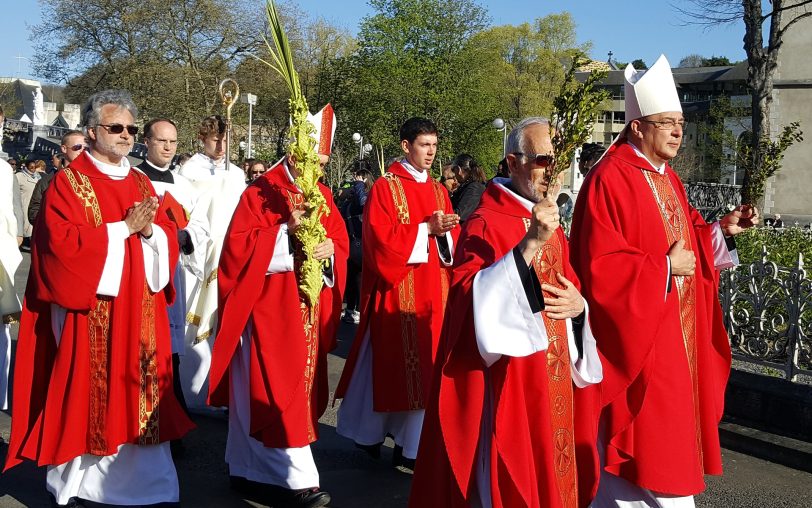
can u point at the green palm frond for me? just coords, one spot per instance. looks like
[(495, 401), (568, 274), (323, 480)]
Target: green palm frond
[(303, 149)]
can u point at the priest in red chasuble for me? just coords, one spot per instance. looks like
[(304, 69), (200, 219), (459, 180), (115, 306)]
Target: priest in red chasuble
[(269, 362), (409, 234), (93, 395), (649, 265), (512, 420)]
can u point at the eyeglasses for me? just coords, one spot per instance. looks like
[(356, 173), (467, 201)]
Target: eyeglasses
[(540, 159), (77, 148), (117, 128), (667, 124)]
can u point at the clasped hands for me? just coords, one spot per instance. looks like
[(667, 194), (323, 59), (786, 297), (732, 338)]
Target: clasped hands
[(323, 250), (140, 217)]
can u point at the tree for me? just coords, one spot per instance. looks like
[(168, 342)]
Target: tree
[(413, 59), (639, 64), (779, 17), (692, 60), (170, 59)]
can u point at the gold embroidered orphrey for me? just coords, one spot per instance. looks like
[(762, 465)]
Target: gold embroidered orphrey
[(677, 227), (406, 297), (547, 264), (310, 324), (99, 337)]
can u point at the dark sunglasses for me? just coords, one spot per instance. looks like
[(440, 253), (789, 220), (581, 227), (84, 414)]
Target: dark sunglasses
[(79, 147), (117, 128), (541, 159)]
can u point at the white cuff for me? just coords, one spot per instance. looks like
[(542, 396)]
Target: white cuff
[(722, 258), (282, 260), (503, 321), (110, 281), (331, 280), (420, 251), (156, 259), (450, 240), (586, 370)]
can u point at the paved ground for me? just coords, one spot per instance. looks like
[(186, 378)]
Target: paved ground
[(356, 481)]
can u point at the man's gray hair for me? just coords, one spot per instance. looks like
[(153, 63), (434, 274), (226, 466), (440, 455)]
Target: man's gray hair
[(91, 111), (515, 140)]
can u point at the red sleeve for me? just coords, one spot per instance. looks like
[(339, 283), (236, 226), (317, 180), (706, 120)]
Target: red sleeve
[(332, 297), (608, 266), (69, 253)]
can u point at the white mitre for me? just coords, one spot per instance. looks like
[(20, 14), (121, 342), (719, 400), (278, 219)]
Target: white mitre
[(650, 91), (325, 123)]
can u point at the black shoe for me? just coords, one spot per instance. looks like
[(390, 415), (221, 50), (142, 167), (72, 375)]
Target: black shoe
[(399, 460), (373, 450), (304, 498)]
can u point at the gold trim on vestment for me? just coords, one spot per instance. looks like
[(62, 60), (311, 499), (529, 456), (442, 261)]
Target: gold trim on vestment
[(148, 396), (193, 319), (676, 227), (407, 308), (547, 263), (84, 191)]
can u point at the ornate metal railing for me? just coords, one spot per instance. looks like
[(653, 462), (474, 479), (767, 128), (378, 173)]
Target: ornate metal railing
[(768, 315), (712, 199)]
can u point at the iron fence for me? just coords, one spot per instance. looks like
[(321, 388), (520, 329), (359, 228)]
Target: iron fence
[(712, 199), (768, 316)]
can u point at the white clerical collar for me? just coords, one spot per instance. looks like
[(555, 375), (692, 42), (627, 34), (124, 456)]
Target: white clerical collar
[(158, 168), (504, 184), (660, 169), (419, 176), (114, 171)]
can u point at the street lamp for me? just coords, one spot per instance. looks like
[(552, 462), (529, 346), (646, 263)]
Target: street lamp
[(251, 100), (500, 125), (362, 148)]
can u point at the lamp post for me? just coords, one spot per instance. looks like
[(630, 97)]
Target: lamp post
[(251, 100), (362, 148), (500, 125)]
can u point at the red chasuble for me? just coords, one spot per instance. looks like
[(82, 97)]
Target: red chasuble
[(666, 357), (109, 381), (402, 304), (544, 429), (290, 341)]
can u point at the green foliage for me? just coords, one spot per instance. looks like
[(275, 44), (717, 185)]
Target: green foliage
[(576, 109), (772, 154), (783, 245)]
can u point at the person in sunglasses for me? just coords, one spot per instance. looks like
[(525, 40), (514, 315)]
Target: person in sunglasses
[(515, 391), (93, 396), (650, 267), (72, 144), (218, 185)]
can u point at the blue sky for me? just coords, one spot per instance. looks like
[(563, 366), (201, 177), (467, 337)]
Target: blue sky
[(630, 29)]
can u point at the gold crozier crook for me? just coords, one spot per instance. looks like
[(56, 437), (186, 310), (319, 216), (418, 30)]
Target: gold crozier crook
[(229, 93)]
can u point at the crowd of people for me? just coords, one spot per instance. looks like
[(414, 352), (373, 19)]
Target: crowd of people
[(511, 365)]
